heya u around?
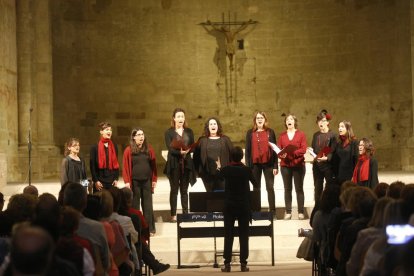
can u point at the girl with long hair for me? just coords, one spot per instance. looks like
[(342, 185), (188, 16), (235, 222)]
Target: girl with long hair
[(140, 173), (259, 155)]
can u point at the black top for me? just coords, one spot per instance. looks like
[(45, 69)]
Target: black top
[(141, 168), (102, 175), (344, 160), (320, 141), (373, 175), (273, 160), (213, 153), (201, 154), (72, 170), (237, 187), (174, 156)]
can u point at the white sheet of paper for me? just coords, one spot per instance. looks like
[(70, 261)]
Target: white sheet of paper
[(311, 152), (274, 147)]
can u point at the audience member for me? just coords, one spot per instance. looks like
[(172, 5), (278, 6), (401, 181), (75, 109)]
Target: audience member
[(381, 189), (367, 236), (394, 190), (75, 196), (31, 190)]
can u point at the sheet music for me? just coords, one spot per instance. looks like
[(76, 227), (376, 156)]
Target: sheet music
[(274, 147)]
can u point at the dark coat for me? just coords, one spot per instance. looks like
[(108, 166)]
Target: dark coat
[(200, 154), (174, 155)]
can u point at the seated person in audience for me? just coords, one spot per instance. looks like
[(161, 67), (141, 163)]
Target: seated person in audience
[(68, 242), (329, 200), (48, 216), (99, 208), (367, 236), (394, 190), (75, 196), (381, 189), (31, 190), (139, 221), (129, 227), (362, 204), (396, 212), (32, 253)]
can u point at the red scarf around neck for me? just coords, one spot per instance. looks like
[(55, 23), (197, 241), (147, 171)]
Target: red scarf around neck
[(113, 161), (363, 167), (345, 140)]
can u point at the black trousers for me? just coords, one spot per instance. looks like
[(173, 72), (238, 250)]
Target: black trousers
[(243, 216), (319, 176), (147, 256), (212, 182), (143, 197), (179, 180), (298, 175), (270, 181)]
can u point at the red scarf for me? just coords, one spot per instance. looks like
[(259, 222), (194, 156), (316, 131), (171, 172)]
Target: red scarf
[(363, 168), (113, 161), (345, 140)]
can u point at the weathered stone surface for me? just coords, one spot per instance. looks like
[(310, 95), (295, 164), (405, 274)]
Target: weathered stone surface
[(133, 62)]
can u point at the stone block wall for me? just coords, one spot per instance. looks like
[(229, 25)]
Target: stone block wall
[(133, 62)]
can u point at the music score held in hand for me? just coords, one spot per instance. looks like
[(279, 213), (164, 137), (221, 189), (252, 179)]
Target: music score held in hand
[(179, 145), (324, 152), (288, 149)]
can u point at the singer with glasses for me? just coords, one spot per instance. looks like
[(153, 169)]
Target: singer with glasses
[(260, 157), (73, 167), (140, 174)]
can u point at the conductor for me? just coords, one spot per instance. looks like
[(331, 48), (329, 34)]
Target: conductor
[(237, 206)]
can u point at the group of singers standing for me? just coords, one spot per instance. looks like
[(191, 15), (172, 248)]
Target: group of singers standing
[(336, 159)]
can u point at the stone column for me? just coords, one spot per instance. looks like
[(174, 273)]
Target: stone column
[(407, 154), (34, 45), (8, 91)]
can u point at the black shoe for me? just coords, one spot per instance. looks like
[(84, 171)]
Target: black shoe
[(244, 268), (160, 268), (226, 268)]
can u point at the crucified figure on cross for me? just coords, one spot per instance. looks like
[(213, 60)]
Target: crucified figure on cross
[(230, 35)]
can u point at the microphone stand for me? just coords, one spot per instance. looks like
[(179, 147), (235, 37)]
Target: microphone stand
[(29, 145)]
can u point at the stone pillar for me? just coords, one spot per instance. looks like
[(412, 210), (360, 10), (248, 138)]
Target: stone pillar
[(8, 91), (34, 45), (407, 154)]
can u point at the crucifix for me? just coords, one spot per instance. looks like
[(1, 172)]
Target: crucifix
[(229, 29)]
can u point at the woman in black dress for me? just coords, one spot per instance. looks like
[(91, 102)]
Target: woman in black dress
[(213, 148), (179, 167)]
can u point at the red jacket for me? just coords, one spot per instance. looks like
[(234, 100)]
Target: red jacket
[(127, 162), (296, 158), (144, 224)]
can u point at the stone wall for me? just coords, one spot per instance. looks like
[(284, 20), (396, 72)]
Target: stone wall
[(133, 62), (8, 91)]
